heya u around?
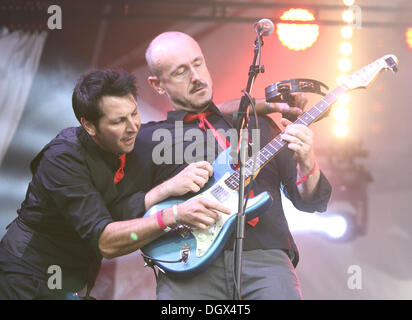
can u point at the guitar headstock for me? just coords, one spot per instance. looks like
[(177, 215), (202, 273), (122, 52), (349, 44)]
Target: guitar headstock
[(364, 77)]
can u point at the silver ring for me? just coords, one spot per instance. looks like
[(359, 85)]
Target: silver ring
[(301, 143)]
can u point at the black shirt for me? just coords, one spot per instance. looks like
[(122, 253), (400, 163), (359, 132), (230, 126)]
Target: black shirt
[(69, 202), (272, 231)]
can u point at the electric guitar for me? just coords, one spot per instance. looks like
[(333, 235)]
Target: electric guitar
[(185, 252)]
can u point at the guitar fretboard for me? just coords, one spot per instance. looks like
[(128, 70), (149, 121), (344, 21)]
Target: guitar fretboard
[(277, 144)]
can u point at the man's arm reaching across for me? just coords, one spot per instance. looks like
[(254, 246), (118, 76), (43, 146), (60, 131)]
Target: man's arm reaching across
[(123, 237)]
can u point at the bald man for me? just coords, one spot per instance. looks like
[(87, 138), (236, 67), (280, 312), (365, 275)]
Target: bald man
[(179, 71), (158, 48)]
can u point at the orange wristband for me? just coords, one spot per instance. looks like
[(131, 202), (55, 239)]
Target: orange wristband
[(307, 176)]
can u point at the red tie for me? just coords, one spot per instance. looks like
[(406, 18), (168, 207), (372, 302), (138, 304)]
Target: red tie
[(254, 221), (219, 138), (120, 172)]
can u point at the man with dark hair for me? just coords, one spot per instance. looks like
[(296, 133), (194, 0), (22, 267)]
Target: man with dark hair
[(85, 201), (179, 71)]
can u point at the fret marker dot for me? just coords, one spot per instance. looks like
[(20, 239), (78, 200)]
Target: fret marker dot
[(134, 236)]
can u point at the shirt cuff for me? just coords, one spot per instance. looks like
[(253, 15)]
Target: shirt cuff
[(98, 229), (319, 199)]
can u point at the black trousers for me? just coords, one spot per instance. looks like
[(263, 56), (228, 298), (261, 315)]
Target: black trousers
[(18, 281), (266, 275)]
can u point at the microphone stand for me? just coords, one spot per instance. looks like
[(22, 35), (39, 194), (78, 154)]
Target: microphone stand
[(240, 122)]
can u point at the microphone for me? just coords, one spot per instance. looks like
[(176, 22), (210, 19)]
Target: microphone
[(265, 27)]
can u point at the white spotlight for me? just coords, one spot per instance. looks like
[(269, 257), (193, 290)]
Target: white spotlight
[(333, 225)]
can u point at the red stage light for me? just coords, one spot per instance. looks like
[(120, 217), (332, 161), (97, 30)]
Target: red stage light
[(297, 36)]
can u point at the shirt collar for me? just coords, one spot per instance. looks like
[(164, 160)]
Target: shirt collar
[(179, 115), (110, 158)]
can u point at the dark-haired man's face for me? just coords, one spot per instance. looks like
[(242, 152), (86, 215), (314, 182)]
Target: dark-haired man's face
[(117, 129)]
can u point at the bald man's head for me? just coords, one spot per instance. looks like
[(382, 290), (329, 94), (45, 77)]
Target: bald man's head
[(162, 44), (179, 70)]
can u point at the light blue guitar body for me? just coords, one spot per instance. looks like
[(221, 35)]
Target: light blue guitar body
[(199, 248)]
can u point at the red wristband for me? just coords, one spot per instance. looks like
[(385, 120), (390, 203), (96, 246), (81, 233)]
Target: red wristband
[(159, 218), (307, 176)]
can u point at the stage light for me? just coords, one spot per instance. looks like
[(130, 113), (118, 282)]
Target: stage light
[(344, 100), (297, 36), (340, 130), (408, 37), (334, 226), (341, 79), (346, 32), (349, 2), (348, 16), (341, 114), (345, 48), (344, 64)]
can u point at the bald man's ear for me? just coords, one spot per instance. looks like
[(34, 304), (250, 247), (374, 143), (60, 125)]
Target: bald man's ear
[(155, 84)]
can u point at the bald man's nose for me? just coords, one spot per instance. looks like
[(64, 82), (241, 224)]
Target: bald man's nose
[(195, 74)]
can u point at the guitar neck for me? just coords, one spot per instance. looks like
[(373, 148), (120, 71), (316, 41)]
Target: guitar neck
[(268, 152)]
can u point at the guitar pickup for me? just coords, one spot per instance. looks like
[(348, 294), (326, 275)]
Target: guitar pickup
[(219, 193)]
